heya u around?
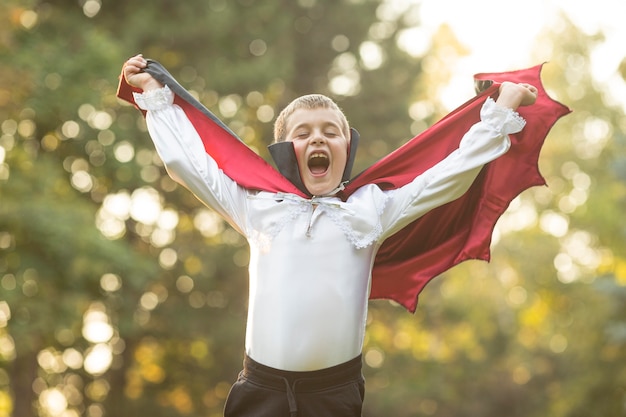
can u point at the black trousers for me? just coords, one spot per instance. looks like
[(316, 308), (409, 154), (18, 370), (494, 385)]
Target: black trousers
[(261, 391)]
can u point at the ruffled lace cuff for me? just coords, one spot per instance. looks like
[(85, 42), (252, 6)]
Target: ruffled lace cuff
[(154, 99), (502, 119)]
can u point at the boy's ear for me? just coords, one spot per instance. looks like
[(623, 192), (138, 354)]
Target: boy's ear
[(352, 147)]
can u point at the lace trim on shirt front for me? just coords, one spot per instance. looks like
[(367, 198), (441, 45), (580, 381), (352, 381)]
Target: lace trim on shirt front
[(358, 240), (263, 240), (336, 212), (157, 99)]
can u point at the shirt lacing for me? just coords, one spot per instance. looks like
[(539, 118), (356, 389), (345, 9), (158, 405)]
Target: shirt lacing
[(335, 209)]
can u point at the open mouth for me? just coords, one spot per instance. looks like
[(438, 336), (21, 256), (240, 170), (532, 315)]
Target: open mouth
[(318, 163)]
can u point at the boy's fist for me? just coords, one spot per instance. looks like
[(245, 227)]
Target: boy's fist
[(514, 95), (135, 76)]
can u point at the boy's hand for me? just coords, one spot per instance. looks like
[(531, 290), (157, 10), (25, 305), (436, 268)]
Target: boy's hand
[(134, 75), (513, 95)]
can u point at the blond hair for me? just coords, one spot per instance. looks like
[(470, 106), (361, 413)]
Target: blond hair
[(308, 102)]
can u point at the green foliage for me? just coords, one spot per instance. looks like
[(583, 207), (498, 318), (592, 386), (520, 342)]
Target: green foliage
[(93, 231)]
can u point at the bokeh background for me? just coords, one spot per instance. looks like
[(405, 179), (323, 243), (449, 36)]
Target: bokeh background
[(121, 296)]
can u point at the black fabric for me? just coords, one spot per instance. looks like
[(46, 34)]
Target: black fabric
[(159, 73), (261, 391), (354, 145), (284, 157)]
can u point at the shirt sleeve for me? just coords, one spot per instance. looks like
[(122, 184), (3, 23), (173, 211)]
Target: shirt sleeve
[(182, 151), (451, 178)]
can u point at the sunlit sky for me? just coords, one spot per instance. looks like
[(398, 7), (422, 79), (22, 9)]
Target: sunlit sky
[(501, 34)]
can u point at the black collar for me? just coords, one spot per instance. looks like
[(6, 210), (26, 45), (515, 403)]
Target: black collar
[(284, 156)]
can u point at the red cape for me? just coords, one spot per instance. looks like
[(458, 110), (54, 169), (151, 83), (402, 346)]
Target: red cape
[(444, 237)]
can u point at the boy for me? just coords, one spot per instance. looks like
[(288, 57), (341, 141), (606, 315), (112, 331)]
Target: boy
[(311, 258)]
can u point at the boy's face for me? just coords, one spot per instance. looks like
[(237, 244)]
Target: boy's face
[(321, 148)]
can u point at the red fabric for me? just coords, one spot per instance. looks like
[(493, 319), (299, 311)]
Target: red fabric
[(444, 237), (232, 155), (462, 229)]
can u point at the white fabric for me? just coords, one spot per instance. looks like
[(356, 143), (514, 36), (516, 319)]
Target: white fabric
[(311, 259)]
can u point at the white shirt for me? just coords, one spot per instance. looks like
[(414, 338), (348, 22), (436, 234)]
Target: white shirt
[(311, 259)]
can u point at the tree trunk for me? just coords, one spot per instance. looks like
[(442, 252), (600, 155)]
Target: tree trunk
[(116, 403), (22, 375)]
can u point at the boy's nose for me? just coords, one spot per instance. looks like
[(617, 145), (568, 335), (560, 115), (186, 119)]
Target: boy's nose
[(318, 138)]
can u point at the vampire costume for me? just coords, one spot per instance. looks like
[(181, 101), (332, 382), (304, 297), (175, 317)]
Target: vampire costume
[(445, 236)]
